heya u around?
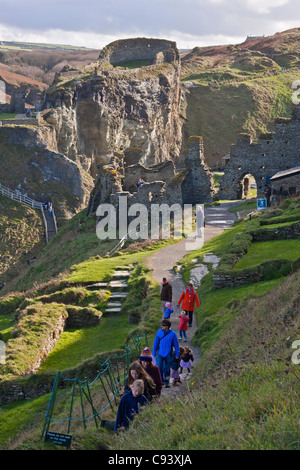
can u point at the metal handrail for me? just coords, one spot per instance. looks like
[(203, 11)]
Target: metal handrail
[(20, 198), (13, 194)]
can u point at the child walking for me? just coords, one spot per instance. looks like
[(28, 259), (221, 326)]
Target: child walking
[(183, 325), (186, 359), (168, 310), (174, 368)]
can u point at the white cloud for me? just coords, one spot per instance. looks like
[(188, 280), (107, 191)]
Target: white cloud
[(265, 6), (57, 36), (98, 41), (189, 41)]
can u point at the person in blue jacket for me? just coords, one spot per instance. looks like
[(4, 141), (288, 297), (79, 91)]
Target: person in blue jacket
[(168, 310), (164, 342), (130, 405)]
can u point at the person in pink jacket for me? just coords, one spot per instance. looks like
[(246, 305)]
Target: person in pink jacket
[(183, 325), (189, 298)]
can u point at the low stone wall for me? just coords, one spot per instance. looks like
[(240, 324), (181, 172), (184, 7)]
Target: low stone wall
[(279, 233), (23, 392), (265, 272)]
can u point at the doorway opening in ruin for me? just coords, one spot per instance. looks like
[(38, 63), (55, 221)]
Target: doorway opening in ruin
[(248, 187)]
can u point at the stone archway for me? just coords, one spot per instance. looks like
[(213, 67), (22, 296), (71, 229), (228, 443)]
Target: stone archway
[(248, 186)]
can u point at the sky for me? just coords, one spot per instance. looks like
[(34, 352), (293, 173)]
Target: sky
[(191, 23)]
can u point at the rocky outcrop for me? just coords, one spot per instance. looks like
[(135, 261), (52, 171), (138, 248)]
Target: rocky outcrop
[(113, 109)]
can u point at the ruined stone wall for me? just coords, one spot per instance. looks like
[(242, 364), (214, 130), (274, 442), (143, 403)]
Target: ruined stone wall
[(140, 49), (197, 186), (274, 152)]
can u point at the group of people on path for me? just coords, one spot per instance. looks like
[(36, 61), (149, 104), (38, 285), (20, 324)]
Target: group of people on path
[(189, 298), (151, 372), (48, 207)]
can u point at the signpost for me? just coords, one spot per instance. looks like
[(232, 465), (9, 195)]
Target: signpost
[(58, 439), (261, 204)]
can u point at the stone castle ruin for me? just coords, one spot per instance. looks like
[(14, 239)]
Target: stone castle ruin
[(163, 183), (156, 51), (274, 152)]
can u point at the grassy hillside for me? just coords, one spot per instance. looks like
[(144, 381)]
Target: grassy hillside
[(41, 62), (22, 237), (8, 45), (245, 392), (238, 88)]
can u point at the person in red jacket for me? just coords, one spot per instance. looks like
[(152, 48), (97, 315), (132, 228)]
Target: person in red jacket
[(189, 298), (183, 324)]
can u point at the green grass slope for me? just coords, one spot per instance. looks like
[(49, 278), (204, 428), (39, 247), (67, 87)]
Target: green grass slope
[(22, 237)]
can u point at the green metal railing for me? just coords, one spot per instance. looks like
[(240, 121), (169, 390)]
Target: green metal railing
[(110, 378)]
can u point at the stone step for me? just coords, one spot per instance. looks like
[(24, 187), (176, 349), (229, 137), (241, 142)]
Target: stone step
[(113, 310), (118, 295), (129, 266), (121, 274), (96, 285), (117, 284), (114, 304)]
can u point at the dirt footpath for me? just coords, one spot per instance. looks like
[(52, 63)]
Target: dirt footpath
[(162, 262)]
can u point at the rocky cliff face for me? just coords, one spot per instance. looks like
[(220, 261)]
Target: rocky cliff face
[(30, 162), (113, 109)]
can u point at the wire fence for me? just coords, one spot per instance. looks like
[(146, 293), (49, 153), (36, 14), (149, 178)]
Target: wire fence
[(88, 399)]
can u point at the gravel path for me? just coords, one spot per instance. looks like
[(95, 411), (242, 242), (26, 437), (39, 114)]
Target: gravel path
[(162, 263)]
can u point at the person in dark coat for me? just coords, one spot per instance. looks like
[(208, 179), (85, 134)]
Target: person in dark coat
[(165, 293), (130, 405), (151, 369)]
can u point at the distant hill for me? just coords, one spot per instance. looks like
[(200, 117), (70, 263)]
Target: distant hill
[(25, 46), (42, 61)]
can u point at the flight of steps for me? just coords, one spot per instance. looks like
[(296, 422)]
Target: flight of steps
[(118, 287)]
